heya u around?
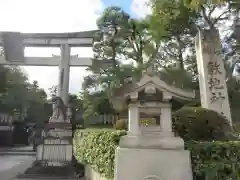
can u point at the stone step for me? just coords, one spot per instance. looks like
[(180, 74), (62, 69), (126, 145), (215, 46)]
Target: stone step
[(38, 171)]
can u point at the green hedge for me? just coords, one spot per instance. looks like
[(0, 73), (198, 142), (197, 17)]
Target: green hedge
[(97, 149), (200, 124), (210, 160), (215, 160)]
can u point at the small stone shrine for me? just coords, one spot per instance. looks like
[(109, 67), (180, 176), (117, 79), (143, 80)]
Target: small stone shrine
[(151, 152)]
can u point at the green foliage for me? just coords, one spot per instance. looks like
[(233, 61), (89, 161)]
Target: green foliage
[(166, 37), (175, 23), (177, 76), (175, 27), (3, 74), (215, 160), (77, 108), (121, 124), (200, 124), (97, 149), (113, 16), (118, 56), (197, 4), (18, 97), (171, 17), (210, 160), (96, 103)]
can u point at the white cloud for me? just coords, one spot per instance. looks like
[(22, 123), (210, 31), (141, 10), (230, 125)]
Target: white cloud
[(48, 16), (141, 8)]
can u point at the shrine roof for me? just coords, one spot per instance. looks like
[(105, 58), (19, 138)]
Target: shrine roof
[(148, 80)]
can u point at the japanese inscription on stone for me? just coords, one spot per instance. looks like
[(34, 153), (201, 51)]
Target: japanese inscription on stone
[(212, 81)]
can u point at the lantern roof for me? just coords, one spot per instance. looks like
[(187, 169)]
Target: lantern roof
[(150, 80)]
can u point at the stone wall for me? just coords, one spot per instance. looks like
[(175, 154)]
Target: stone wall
[(90, 174)]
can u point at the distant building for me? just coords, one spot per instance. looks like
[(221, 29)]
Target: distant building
[(6, 129)]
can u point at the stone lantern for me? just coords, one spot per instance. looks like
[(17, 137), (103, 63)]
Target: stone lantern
[(152, 150)]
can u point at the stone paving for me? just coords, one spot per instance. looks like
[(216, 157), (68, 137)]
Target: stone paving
[(14, 161)]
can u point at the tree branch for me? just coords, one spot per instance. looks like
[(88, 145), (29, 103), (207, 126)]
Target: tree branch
[(211, 11), (179, 49), (153, 56), (205, 17), (220, 17), (132, 44)]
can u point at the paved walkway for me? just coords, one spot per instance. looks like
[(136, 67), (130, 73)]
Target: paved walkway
[(14, 161)]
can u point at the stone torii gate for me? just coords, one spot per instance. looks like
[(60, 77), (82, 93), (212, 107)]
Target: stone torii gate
[(14, 44), (56, 146)]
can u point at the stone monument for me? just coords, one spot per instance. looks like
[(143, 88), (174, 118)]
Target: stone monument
[(212, 75), (56, 149), (151, 152)]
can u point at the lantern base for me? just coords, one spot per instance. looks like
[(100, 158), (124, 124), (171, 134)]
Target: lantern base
[(155, 141), (152, 164)]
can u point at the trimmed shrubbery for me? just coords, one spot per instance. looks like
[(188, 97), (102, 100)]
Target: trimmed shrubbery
[(97, 149), (121, 124), (215, 160), (210, 160), (200, 124)]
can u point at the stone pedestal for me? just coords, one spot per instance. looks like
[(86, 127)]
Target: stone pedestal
[(54, 154), (152, 141), (56, 149), (152, 154), (157, 164)]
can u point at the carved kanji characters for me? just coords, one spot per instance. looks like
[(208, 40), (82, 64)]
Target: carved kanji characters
[(214, 68)]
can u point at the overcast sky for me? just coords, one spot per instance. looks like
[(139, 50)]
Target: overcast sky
[(48, 16)]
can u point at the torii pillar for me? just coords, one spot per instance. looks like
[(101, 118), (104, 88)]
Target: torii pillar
[(64, 73)]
